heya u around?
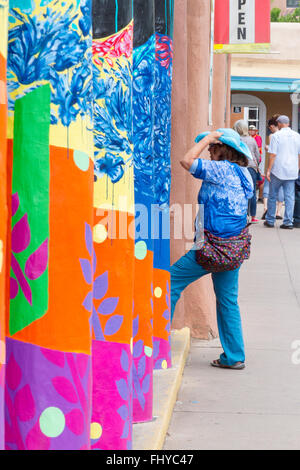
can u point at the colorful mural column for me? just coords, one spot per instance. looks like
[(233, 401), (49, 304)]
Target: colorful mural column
[(164, 14), (113, 229), (3, 202), (84, 255), (48, 377), (143, 139)]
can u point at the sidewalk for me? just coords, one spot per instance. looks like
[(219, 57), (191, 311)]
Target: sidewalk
[(258, 408)]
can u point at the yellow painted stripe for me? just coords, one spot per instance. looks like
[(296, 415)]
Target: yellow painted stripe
[(259, 48)]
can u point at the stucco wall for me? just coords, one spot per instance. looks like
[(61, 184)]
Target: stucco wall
[(196, 308), (282, 61)]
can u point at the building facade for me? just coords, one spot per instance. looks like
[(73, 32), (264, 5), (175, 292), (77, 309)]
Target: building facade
[(266, 84)]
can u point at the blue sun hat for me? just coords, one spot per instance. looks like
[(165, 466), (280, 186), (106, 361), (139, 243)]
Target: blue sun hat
[(232, 139)]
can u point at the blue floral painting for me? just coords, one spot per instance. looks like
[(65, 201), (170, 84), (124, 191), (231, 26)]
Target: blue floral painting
[(52, 44), (143, 116), (162, 129)]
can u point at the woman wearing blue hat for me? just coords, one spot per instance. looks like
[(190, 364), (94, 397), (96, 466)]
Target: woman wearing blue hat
[(227, 187)]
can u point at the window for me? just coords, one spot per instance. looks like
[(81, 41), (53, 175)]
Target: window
[(292, 3), (252, 116)]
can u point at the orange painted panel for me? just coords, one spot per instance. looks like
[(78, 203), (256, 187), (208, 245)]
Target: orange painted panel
[(116, 258), (65, 327), (161, 304)]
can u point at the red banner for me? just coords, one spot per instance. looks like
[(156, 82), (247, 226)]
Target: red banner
[(242, 26)]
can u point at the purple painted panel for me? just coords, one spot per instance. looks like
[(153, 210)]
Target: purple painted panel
[(111, 427), (47, 398)]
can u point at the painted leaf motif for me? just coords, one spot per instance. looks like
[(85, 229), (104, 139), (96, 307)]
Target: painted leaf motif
[(88, 302), (75, 422), (21, 279), (101, 286), (124, 361), (158, 364), (168, 300), (65, 388), (146, 384), (123, 412), (24, 404), (56, 357), (86, 270), (108, 306), (125, 432), (141, 367), (13, 373), (15, 202), (36, 440), (113, 325), (135, 326), (166, 315), (156, 348), (20, 235), (82, 362), (37, 262), (9, 433), (138, 348), (94, 261), (123, 389), (14, 288), (88, 238)]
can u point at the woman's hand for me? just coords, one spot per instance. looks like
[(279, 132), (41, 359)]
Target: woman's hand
[(214, 137), (195, 152)]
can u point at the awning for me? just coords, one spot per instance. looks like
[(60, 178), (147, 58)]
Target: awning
[(282, 85)]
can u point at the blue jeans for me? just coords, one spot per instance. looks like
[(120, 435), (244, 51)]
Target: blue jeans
[(289, 199), (185, 271), (252, 201), (267, 189)]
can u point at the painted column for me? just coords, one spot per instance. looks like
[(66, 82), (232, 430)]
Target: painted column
[(164, 14), (3, 203), (48, 379), (113, 229), (143, 139)]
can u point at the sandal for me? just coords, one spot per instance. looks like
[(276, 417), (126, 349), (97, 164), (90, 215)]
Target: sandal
[(236, 366)]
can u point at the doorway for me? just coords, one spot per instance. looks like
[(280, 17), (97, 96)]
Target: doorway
[(253, 110)]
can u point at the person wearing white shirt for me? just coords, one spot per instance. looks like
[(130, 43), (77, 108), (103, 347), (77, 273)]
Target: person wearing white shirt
[(283, 171)]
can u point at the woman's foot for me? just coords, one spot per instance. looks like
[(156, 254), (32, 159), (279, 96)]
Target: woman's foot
[(236, 366), (254, 220), (264, 215)]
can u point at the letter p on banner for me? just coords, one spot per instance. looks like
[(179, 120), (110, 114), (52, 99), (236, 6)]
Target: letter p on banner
[(242, 26)]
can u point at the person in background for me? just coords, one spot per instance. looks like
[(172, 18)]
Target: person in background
[(283, 171), (253, 131), (241, 127), (273, 127), (297, 203)]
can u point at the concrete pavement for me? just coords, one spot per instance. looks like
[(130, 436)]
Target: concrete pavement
[(259, 407)]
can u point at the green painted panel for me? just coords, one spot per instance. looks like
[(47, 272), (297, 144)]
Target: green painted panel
[(30, 223)]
